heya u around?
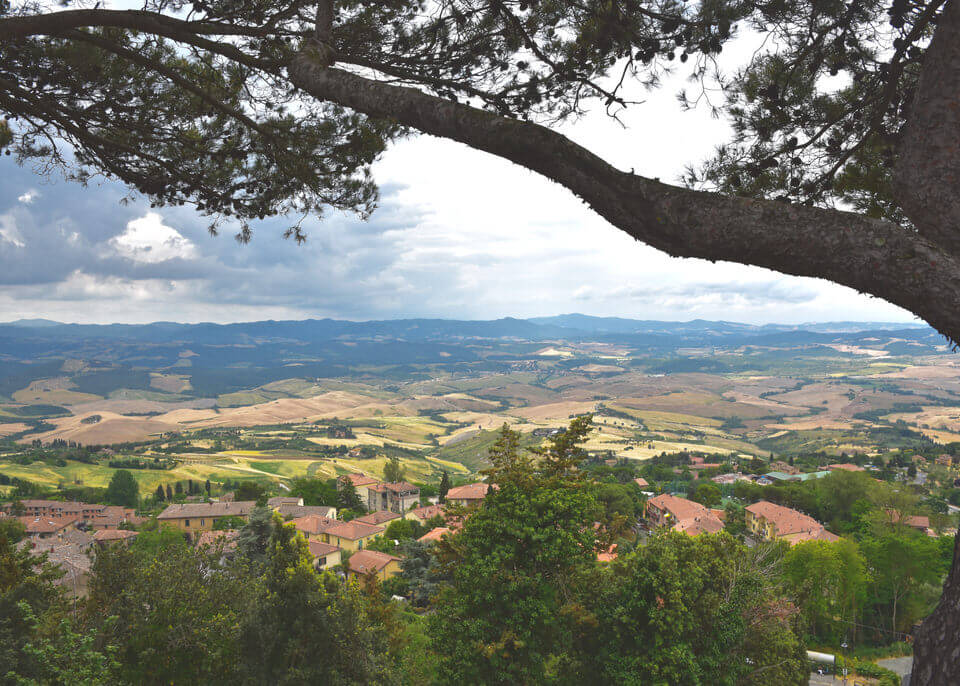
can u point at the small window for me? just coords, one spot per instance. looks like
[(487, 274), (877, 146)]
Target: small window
[(186, 522), (201, 522)]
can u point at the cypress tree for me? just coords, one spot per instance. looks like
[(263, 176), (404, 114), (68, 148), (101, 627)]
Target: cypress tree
[(444, 486)]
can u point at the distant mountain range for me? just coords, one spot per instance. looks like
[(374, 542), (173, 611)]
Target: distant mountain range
[(223, 358), (535, 328)]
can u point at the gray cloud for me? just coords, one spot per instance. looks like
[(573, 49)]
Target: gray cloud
[(481, 241)]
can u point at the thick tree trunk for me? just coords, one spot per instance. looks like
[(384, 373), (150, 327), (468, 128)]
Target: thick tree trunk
[(928, 161), (936, 649)]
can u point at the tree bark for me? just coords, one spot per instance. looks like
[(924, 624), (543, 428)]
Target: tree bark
[(936, 647), (928, 163)]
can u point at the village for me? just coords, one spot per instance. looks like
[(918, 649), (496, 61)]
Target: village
[(70, 533)]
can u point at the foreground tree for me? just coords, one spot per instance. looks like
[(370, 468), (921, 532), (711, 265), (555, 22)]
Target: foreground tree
[(526, 601), (682, 610), (171, 619), (305, 628), (249, 109), (28, 591), (512, 612)]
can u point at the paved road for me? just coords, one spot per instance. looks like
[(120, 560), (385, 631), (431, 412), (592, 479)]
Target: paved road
[(900, 665), (826, 680)]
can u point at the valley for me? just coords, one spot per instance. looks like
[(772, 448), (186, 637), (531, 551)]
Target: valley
[(276, 401)]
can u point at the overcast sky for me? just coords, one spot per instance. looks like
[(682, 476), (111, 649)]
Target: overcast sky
[(459, 234)]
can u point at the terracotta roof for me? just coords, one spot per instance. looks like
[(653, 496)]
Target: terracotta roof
[(352, 530), (427, 512), (397, 487), (846, 466), (914, 521), (358, 479), (367, 561), (211, 538), (113, 535), (62, 506), (820, 534), (690, 517), (318, 549), (641, 482), (679, 508), (306, 510), (477, 491), (435, 534), (47, 525), (693, 526), (378, 517), (278, 500), (786, 521), (313, 524), (193, 510)]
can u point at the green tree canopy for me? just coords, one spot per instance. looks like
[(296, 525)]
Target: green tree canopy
[(315, 491), (696, 610), (28, 591), (123, 489), (393, 470), (305, 628), (512, 612), (250, 490), (707, 494)]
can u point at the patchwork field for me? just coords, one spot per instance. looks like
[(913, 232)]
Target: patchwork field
[(439, 407)]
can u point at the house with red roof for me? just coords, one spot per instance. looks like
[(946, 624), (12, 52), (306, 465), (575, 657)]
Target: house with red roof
[(682, 515), (424, 514), (325, 555), (377, 518), (350, 536), (366, 563), (471, 494), (105, 537), (769, 521), (396, 497), (435, 534), (360, 482)]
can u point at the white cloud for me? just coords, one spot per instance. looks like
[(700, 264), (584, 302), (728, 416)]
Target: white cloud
[(9, 233), (28, 197), (148, 239)]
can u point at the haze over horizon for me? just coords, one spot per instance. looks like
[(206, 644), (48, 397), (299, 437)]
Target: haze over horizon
[(915, 323)]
